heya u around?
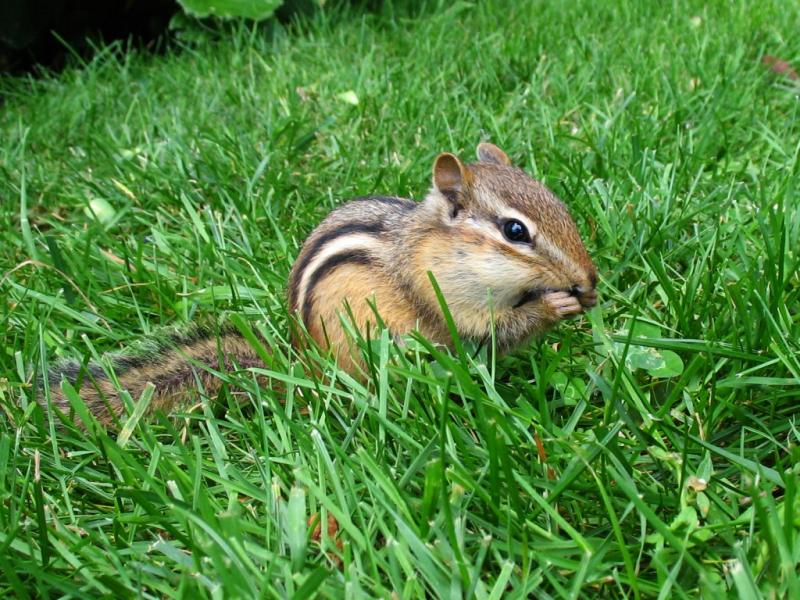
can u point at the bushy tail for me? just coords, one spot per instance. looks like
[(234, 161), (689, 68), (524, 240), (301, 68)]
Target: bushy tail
[(172, 360)]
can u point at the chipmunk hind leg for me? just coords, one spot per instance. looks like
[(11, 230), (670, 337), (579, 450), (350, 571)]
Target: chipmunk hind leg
[(352, 294)]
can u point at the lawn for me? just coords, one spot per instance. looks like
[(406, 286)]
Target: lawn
[(648, 449)]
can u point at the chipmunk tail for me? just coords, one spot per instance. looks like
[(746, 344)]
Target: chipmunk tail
[(178, 362)]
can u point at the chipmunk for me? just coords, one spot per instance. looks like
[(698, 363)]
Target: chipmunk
[(502, 248)]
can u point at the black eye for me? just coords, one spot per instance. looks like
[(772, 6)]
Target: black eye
[(515, 231)]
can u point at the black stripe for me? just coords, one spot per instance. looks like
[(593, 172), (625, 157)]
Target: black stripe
[(530, 296), (314, 247), (359, 257)]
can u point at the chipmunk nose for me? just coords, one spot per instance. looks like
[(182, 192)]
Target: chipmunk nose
[(585, 293), (586, 296)]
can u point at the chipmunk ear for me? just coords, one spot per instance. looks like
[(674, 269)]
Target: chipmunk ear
[(448, 175), (492, 154)]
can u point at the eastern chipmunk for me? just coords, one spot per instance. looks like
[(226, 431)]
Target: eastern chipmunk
[(501, 246)]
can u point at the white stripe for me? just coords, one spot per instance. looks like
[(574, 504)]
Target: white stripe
[(510, 213), (492, 230), (539, 240), (345, 243)]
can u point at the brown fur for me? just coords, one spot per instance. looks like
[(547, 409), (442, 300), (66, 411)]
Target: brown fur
[(380, 250), (174, 372), (431, 237), (357, 286)]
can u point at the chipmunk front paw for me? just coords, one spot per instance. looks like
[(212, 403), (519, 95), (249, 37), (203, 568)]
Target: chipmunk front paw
[(563, 304)]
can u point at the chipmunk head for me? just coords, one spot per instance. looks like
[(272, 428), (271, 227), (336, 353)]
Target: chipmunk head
[(510, 248)]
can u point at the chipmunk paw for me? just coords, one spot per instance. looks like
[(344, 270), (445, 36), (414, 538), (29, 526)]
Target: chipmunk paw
[(563, 304)]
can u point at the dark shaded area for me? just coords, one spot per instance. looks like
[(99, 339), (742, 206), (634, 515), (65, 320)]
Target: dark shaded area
[(46, 33), (30, 29)]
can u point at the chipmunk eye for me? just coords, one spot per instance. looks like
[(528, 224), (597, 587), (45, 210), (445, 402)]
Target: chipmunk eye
[(515, 231)]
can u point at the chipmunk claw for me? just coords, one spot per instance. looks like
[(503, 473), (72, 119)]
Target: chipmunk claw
[(564, 304)]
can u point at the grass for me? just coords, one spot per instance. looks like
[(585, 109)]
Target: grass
[(647, 450)]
